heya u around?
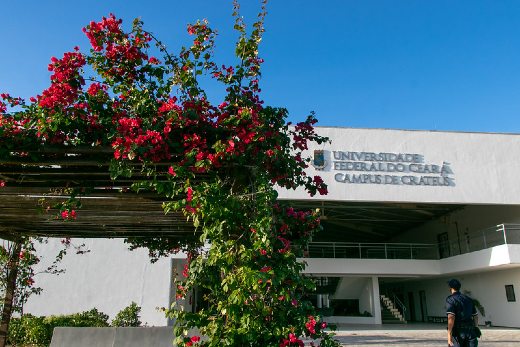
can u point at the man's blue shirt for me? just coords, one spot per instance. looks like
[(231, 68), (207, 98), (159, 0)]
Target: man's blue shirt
[(462, 308)]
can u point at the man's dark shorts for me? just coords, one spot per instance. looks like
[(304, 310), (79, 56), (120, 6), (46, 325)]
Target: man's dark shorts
[(464, 338)]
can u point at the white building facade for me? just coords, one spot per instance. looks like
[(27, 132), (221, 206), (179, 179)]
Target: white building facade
[(406, 212)]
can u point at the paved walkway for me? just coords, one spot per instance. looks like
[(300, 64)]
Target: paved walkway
[(398, 335), (418, 335)]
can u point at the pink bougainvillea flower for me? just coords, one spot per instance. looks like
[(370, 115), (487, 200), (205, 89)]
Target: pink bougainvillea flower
[(154, 61), (171, 172), (294, 339), (190, 191), (67, 215)]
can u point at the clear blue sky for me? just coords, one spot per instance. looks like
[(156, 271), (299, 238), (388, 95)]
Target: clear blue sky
[(402, 64)]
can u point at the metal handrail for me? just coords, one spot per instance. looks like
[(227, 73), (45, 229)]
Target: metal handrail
[(501, 234), (399, 302), (490, 237), (372, 250)]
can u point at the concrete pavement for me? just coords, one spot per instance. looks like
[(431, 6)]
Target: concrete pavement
[(397, 335), (419, 335)]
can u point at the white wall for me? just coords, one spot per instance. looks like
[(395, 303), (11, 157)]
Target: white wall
[(482, 260), (368, 300), (488, 287), (108, 278), (351, 288), (362, 289), (369, 267), (483, 167), (471, 219)]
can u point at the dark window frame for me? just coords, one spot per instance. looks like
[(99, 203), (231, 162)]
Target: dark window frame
[(510, 293)]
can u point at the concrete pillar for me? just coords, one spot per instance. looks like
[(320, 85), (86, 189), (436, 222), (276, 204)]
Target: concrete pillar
[(376, 301)]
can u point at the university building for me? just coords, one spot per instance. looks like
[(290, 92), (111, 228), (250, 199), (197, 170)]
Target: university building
[(406, 211)]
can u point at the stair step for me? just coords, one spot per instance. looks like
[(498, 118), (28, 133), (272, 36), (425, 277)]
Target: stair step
[(389, 313), (393, 322)]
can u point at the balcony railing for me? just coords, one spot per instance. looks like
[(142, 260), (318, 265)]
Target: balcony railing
[(372, 250), (490, 237), (501, 234)]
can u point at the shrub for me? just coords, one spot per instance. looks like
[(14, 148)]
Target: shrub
[(128, 317), (92, 318), (29, 330), (37, 331)]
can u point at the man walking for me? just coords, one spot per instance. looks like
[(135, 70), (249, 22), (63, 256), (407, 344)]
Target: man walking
[(462, 318)]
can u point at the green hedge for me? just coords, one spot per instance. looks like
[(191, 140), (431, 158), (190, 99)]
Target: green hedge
[(37, 331)]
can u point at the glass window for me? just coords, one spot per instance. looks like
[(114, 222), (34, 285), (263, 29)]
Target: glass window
[(510, 293)]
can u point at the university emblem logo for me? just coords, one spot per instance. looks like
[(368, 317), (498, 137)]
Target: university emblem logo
[(319, 161)]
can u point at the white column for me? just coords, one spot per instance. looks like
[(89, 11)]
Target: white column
[(319, 297), (376, 301), (326, 296)]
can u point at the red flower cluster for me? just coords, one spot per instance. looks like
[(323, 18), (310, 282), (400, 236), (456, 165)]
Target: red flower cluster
[(311, 324), (134, 136), (293, 340), (122, 52), (95, 31), (66, 81), (95, 88), (304, 131), (69, 215), (193, 340)]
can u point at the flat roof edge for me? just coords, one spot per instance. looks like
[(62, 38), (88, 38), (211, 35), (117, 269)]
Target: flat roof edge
[(418, 130)]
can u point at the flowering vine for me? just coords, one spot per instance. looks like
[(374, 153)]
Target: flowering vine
[(218, 164)]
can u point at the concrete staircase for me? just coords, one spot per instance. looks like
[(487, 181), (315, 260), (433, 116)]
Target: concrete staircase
[(390, 314)]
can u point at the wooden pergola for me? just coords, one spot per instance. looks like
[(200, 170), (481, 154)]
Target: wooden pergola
[(110, 210)]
